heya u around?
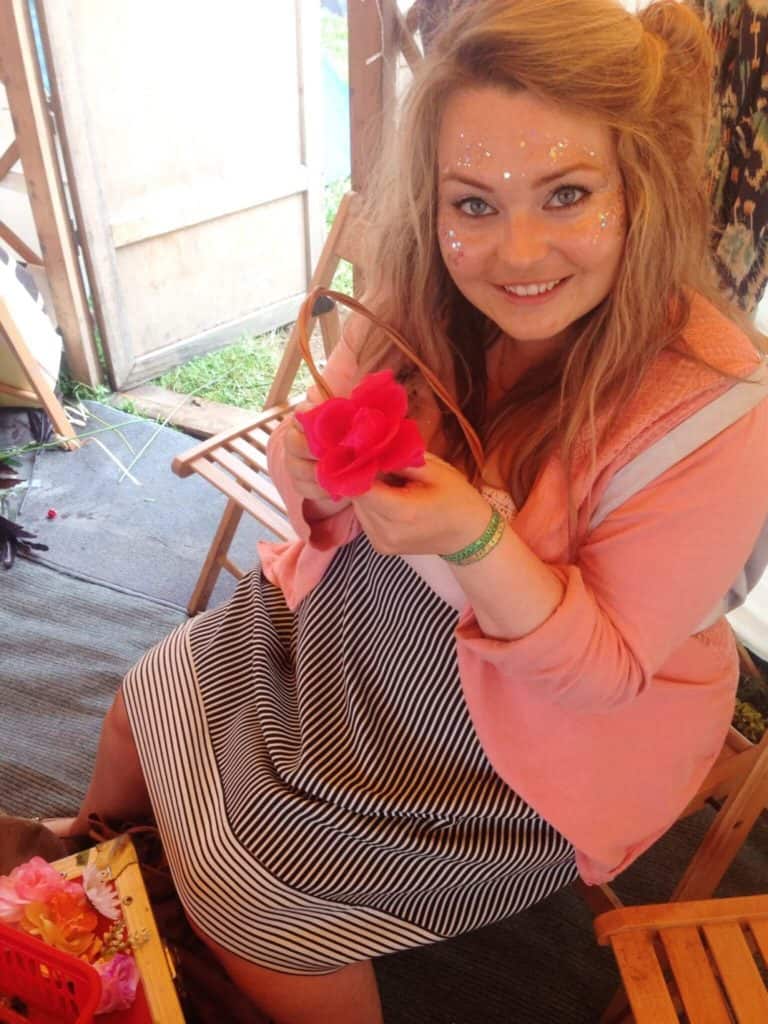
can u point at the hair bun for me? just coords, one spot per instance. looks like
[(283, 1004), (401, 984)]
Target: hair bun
[(679, 46), (688, 46)]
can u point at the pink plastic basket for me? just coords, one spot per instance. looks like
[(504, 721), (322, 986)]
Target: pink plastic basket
[(44, 985)]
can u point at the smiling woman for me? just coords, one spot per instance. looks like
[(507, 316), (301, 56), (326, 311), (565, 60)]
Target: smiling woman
[(530, 221), (488, 673)]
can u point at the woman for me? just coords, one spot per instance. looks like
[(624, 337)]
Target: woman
[(455, 692)]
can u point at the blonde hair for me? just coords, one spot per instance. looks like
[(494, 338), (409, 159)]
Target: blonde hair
[(647, 78)]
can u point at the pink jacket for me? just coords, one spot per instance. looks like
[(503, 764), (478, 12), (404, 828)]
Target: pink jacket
[(608, 716)]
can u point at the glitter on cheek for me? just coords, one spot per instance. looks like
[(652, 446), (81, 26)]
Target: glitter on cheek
[(611, 216), (455, 246)]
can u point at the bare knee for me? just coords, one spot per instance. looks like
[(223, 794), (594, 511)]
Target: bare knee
[(117, 718)]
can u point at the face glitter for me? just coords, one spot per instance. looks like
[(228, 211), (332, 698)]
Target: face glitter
[(455, 245)]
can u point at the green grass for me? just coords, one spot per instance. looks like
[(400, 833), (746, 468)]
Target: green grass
[(238, 375)]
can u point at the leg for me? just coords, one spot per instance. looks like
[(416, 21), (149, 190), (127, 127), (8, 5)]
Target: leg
[(117, 788), (348, 996)]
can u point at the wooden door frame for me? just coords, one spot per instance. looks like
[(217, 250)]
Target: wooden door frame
[(37, 149)]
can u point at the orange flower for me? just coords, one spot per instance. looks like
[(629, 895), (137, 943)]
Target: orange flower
[(65, 922)]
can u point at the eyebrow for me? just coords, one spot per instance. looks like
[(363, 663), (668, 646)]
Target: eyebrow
[(546, 179)]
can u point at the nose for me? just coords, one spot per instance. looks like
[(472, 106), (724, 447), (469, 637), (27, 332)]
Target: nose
[(525, 239)]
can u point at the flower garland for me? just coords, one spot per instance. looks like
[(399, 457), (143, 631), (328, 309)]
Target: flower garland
[(82, 917)]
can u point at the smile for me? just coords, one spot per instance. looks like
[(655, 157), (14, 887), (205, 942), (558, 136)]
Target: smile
[(531, 289), (534, 294)]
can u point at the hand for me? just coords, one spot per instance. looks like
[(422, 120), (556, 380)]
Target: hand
[(430, 510), (300, 464)]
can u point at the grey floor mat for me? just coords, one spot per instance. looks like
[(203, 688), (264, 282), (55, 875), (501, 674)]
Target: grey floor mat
[(149, 537), (67, 642)]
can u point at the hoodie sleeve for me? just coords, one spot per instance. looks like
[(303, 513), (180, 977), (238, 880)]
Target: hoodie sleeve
[(643, 582)]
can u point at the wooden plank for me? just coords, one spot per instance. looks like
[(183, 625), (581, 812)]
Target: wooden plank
[(255, 456), (728, 832), (311, 127), (371, 83), (643, 979), (215, 560), (186, 203), (254, 506), (696, 982), (739, 972), (759, 928), (199, 417), (20, 393), (155, 362), (19, 246), (37, 152), (254, 481), (39, 385), (9, 158), (693, 912)]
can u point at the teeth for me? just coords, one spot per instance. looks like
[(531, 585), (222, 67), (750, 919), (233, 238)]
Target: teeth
[(531, 289)]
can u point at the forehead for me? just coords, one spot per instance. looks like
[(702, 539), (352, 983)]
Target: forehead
[(502, 120)]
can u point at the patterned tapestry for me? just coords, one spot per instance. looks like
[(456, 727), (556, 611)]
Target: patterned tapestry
[(738, 145)]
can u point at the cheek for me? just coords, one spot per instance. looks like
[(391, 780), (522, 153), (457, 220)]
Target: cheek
[(596, 239), (463, 248)]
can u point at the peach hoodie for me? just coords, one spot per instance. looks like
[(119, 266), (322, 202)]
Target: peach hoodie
[(608, 716)]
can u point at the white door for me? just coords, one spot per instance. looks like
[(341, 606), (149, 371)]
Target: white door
[(191, 131)]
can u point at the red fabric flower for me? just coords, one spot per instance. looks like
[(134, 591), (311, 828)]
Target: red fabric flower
[(355, 439)]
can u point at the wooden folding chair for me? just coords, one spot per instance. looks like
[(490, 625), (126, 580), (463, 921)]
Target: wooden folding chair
[(696, 959), (235, 462), (738, 786)]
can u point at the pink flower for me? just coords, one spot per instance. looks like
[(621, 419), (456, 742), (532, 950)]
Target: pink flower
[(36, 881), (355, 439), (101, 895), (119, 981), (11, 904)]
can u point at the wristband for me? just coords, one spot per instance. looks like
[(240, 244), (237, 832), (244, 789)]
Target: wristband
[(481, 547)]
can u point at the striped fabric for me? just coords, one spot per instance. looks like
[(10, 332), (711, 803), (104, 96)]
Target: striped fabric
[(318, 784)]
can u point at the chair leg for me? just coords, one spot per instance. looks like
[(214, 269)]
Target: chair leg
[(618, 1010), (212, 566), (725, 838)]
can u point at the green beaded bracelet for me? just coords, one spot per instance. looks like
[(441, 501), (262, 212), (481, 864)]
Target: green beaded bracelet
[(481, 547)]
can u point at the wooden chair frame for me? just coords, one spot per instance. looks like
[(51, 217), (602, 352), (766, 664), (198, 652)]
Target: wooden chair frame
[(738, 785), (235, 461), (694, 957)]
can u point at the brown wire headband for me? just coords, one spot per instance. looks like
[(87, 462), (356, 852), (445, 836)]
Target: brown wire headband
[(306, 315)]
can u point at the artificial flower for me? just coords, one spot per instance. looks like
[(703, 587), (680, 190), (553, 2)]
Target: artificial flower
[(100, 893), (12, 906), (119, 981), (36, 880), (65, 922), (357, 438)]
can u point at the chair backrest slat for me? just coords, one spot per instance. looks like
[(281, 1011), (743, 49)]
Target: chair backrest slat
[(699, 990)]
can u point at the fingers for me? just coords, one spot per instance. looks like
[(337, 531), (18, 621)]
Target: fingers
[(301, 464)]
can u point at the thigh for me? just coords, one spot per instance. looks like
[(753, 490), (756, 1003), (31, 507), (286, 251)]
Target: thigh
[(346, 996)]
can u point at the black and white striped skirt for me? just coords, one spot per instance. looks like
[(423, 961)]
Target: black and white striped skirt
[(317, 782)]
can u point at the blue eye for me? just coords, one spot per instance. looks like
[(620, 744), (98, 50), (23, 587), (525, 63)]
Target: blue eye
[(568, 195), (474, 206)]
